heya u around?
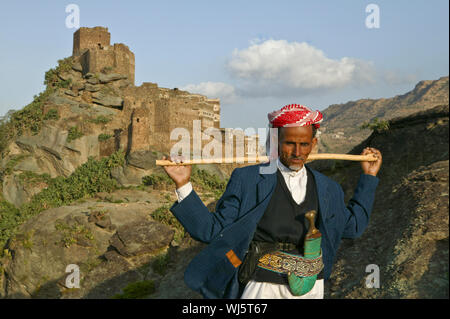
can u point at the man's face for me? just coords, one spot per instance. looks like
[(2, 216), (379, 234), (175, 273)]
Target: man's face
[(295, 144)]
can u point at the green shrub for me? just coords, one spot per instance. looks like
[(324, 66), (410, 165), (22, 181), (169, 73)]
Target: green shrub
[(156, 180), (100, 120), (51, 76), (137, 290), (71, 233), (208, 182), (161, 263), (164, 216), (52, 114), (74, 133), (376, 125), (104, 137), (9, 217)]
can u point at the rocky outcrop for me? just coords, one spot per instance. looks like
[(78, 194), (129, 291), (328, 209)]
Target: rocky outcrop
[(407, 237), (106, 240)]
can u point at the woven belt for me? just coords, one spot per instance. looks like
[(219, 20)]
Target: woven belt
[(285, 263)]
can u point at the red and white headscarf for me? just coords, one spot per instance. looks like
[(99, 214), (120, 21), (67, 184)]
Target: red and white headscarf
[(294, 115)]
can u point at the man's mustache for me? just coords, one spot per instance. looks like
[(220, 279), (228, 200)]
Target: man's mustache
[(297, 158)]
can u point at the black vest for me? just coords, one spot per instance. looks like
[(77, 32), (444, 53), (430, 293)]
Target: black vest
[(284, 222)]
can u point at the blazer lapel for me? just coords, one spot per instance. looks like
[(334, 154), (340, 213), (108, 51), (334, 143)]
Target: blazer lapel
[(266, 185), (322, 192)]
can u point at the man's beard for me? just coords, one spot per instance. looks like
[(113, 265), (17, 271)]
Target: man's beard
[(296, 167)]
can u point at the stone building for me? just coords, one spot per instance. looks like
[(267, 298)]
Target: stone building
[(153, 112), (92, 47)]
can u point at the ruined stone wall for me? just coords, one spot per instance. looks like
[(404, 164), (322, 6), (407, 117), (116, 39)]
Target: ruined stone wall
[(87, 38), (117, 58), (124, 61), (167, 110)]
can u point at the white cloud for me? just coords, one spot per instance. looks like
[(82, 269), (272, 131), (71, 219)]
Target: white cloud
[(279, 66), (213, 90)]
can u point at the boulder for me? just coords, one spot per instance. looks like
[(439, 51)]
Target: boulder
[(142, 159), (128, 175), (107, 99), (92, 88), (55, 98), (141, 237), (106, 78), (92, 80), (18, 191), (77, 66)]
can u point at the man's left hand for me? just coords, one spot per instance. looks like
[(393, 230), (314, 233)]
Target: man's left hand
[(371, 168)]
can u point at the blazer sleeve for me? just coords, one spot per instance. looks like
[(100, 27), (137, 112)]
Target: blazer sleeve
[(360, 206), (203, 225)]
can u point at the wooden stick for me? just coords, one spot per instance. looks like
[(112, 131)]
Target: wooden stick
[(263, 159)]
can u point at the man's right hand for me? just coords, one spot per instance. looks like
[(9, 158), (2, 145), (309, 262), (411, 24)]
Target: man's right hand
[(180, 174)]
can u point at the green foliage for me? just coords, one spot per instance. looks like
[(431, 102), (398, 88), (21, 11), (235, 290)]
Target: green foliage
[(156, 180), (88, 179), (101, 119), (51, 76), (376, 125), (30, 117), (71, 233), (74, 133), (137, 290), (161, 263), (208, 182), (9, 217), (52, 114), (164, 216), (104, 137)]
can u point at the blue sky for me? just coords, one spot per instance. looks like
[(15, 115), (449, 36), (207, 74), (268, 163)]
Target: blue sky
[(255, 55)]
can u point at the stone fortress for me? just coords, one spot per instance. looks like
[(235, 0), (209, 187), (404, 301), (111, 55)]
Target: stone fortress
[(154, 112)]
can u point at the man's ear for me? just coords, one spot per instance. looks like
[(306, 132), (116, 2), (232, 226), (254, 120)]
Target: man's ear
[(314, 146)]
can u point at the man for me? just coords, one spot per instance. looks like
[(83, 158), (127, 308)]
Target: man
[(260, 210)]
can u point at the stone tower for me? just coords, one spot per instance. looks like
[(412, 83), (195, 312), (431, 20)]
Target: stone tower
[(91, 46), (88, 38)]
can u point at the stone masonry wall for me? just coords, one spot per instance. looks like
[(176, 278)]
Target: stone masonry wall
[(87, 38)]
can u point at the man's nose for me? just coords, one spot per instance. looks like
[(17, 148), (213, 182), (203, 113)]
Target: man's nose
[(297, 150)]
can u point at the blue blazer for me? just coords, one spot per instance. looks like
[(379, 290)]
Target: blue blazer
[(229, 230)]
